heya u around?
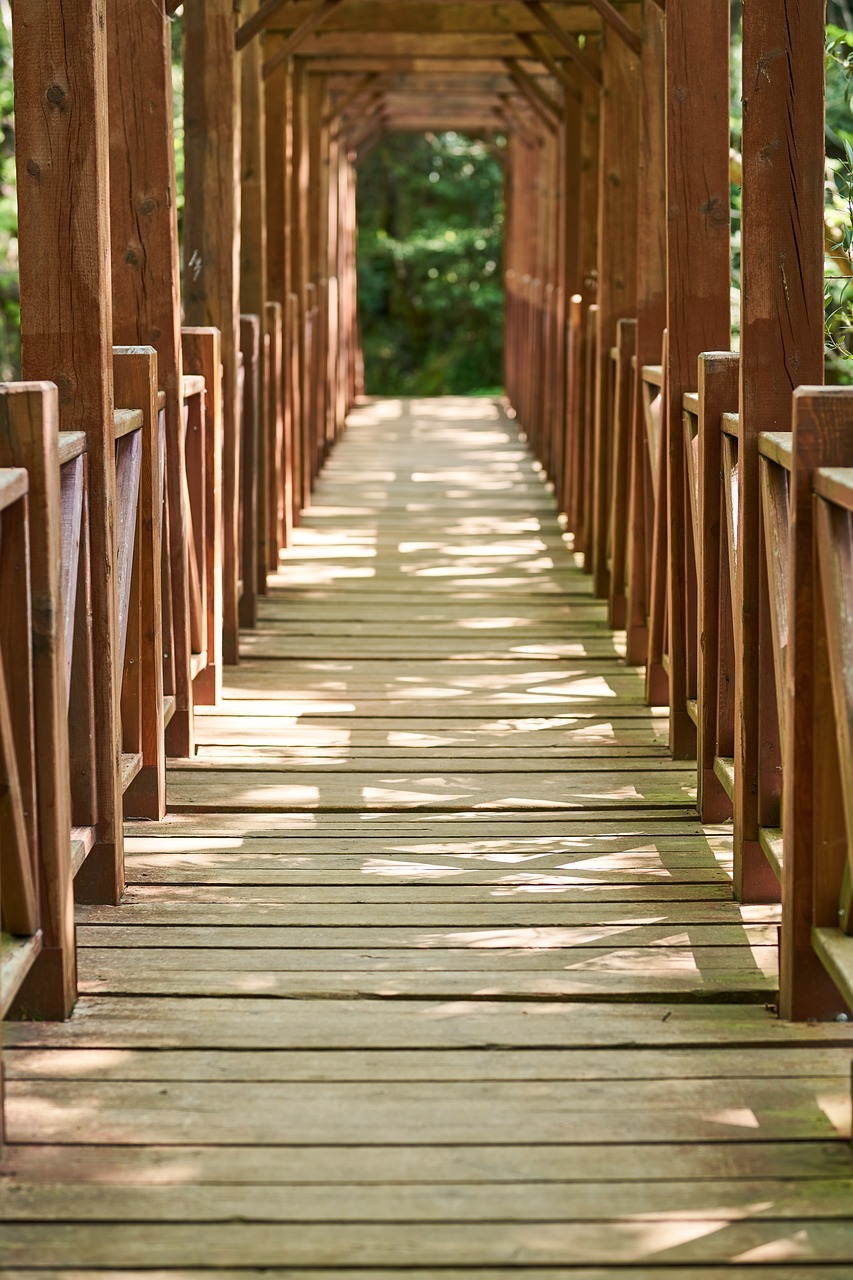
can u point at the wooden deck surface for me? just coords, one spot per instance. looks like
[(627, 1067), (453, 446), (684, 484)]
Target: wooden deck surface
[(431, 968)]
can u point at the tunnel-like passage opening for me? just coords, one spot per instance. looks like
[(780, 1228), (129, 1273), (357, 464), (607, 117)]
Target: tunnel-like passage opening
[(430, 212)]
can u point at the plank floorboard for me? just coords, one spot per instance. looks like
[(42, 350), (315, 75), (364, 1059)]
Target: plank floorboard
[(431, 968)]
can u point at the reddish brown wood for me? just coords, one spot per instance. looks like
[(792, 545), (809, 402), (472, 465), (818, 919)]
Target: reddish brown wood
[(781, 323), (212, 245), (202, 355), (617, 271), (822, 437), (718, 383), (62, 152)]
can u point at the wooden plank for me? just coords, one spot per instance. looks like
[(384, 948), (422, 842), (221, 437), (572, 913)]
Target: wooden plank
[(658, 1202), (402, 1246)]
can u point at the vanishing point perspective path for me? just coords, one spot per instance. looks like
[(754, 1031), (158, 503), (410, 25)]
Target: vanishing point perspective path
[(431, 967)]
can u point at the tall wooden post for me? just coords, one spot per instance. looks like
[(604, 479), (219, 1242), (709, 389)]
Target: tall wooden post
[(253, 265), (781, 347), (147, 296), (279, 146), (212, 243), (698, 284), (651, 308), (62, 149), (617, 265)]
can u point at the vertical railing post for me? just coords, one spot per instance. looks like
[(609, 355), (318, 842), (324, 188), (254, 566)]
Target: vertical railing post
[(822, 437), (29, 425), (718, 381), (136, 377)]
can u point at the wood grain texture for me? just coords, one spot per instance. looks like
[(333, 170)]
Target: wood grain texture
[(463, 1040)]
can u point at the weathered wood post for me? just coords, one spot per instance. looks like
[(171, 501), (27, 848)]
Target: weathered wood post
[(212, 98), (66, 323), (781, 348), (617, 267), (698, 287), (29, 425), (253, 281), (147, 298)]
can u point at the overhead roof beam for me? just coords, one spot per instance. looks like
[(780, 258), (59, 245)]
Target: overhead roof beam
[(315, 19), (618, 24), (569, 43), (536, 96), (551, 64)]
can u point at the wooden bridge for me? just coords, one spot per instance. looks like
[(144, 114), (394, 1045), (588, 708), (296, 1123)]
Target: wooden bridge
[(455, 797)]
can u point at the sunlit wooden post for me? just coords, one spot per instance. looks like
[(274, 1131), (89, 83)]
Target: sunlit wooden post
[(147, 301), (698, 285), (212, 100), (617, 267), (781, 347), (66, 322), (651, 312), (253, 274)]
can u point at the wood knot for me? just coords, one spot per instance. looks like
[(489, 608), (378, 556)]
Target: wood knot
[(131, 257), (148, 205), (33, 169), (56, 95)]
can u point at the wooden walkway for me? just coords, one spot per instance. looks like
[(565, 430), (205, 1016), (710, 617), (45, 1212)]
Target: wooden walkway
[(431, 966)]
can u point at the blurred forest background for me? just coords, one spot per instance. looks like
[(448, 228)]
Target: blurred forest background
[(431, 218)]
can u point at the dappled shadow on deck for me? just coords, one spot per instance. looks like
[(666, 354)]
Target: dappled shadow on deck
[(431, 964)]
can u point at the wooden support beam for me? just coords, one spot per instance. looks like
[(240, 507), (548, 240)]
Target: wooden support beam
[(551, 64), (617, 272), (62, 153), (146, 285), (357, 91), (651, 322), (297, 37), (698, 290), (617, 23), (538, 98), (568, 41), (256, 22), (253, 270), (781, 348), (212, 242)]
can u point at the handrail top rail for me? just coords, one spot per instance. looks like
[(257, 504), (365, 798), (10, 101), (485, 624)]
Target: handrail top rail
[(835, 484), (14, 484), (71, 445), (126, 422), (730, 425), (652, 373), (778, 447), (690, 402), (192, 384)]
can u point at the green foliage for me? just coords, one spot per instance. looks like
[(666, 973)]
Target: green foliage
[(430, 213), (839, 204), (10, 309)]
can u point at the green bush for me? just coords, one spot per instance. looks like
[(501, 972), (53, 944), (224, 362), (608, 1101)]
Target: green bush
[(430, 248)]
